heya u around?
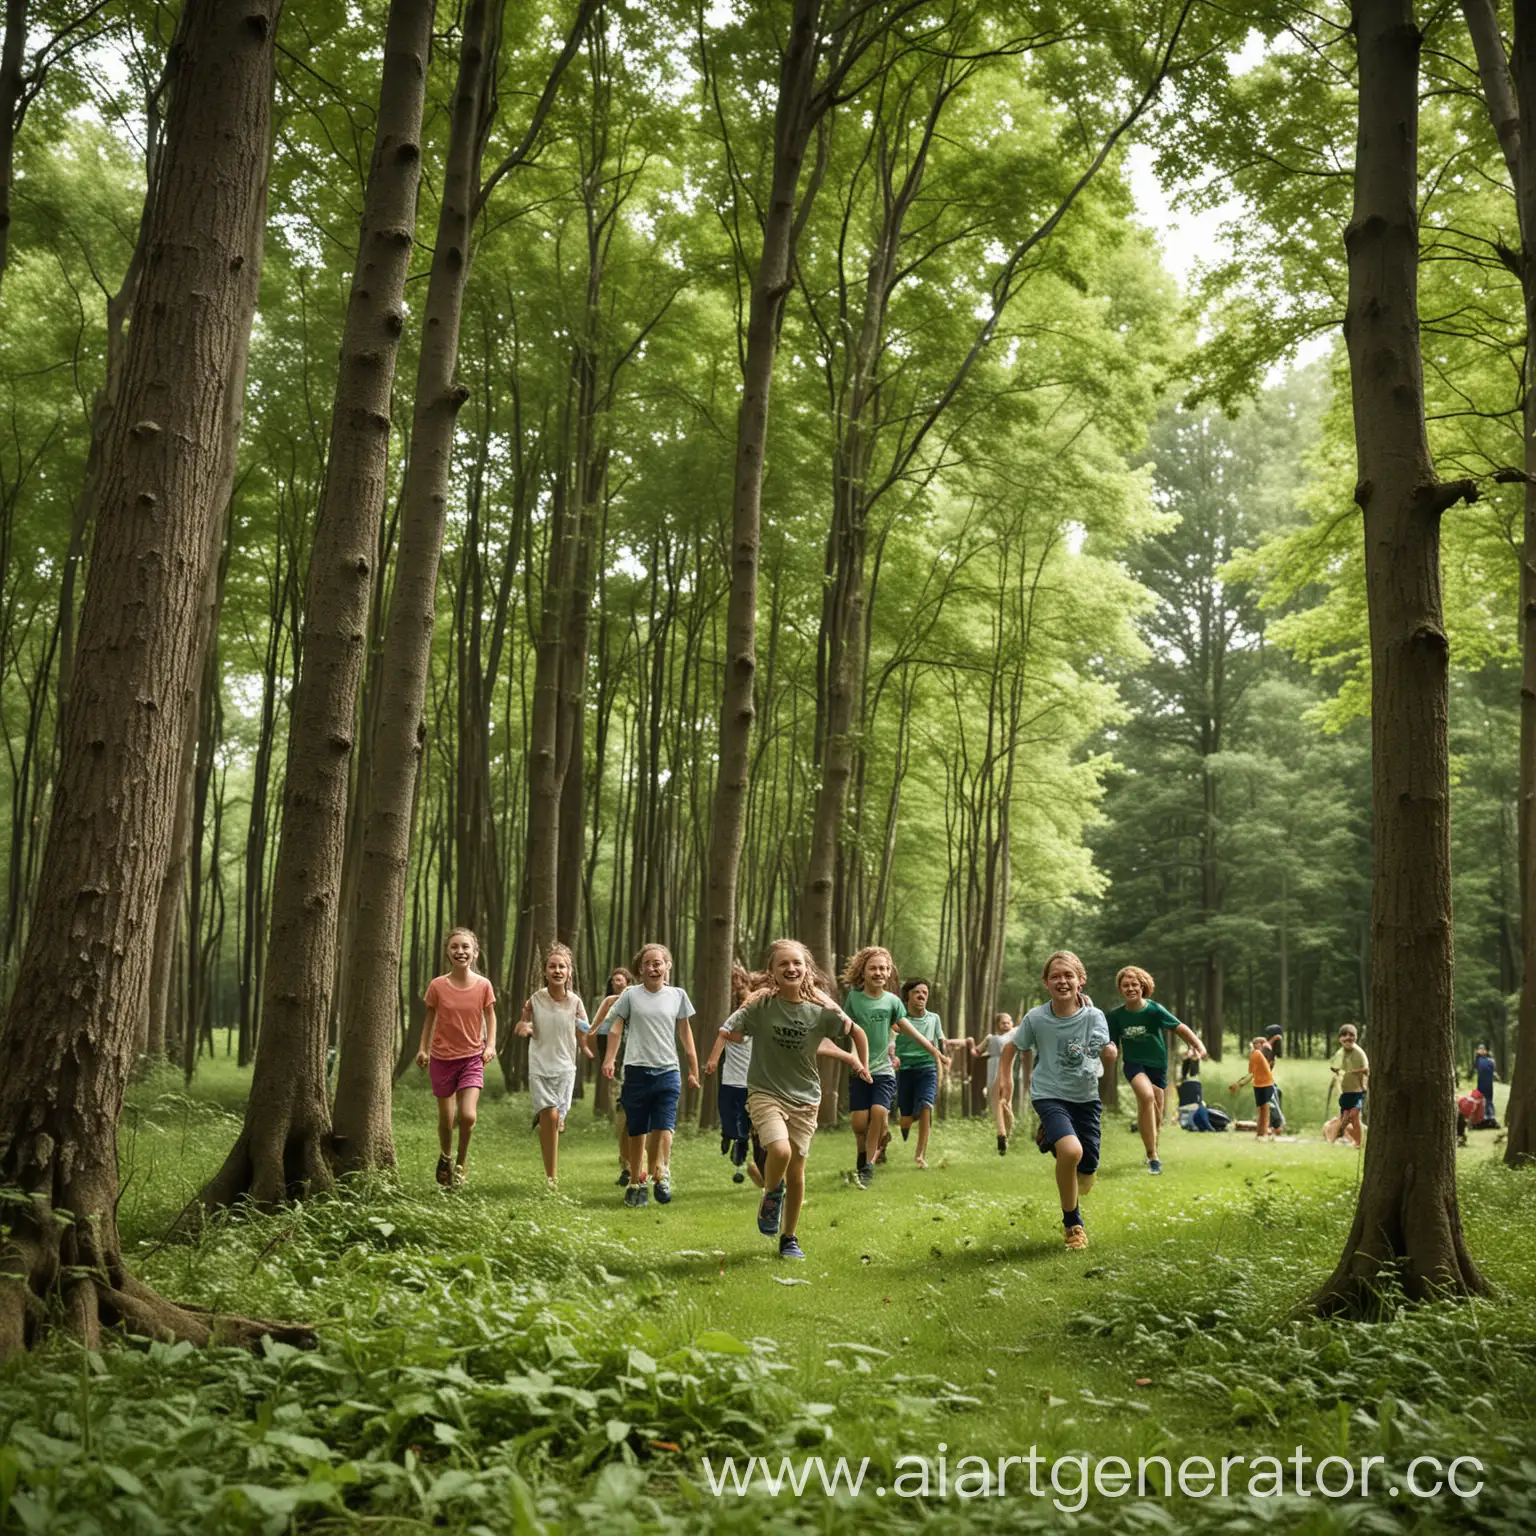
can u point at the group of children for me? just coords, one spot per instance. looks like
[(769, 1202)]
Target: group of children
[(769, 1055)]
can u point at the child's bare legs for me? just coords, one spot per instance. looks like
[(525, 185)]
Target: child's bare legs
[(1069, 1153), (658, 1149), (549, 1140), (924, 1126), (469, 1108), (1350, 1127), (621, 1125), (860, 1118), (906, 1126), (445, 1109), (1002, 1113), (776, 1163), (794, 1193), (879, 1120), (1146, 1111), (635, 1150), (1263, 1122)]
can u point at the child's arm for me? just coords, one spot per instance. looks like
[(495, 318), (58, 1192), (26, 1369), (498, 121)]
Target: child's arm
[(685, 1039), (428, 1025), (1002, 1085), (856, 1063), (860, 1046), (1192, 1040), (584, 1031), (524, 1025), (602, 1010), (488, 1051), (615, 1034), (721, 1036)]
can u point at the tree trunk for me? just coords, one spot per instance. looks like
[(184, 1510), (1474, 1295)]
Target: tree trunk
[(67, 1050), (1513, 113), (1407, 1229), (12, 82), (794, 119), (282, 1148)]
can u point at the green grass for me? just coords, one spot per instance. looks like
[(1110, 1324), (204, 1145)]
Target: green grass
[(501, 1358)]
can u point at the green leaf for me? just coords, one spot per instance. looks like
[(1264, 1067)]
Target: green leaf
[(719, 1343)]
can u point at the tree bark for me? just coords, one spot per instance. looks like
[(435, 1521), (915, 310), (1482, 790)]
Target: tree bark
[(66, 1053), (795, 117), (1407, 1228), (12, 83), (283, 1147)]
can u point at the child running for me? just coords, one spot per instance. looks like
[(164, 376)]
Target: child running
[(1070, 1041), (921, 1059), (655, 1011), (789, 1027), (618, 980), (458, 1037), (552, 1020), (1352, 1069), (1138, 1029), (876, 1012), (1261, 1074), (1002, 1104), (735, 1126)]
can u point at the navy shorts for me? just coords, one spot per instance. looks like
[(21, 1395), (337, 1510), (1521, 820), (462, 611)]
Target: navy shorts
[(1065, 1117), (1262, 1096), (881, 1091), (916, 1089), (1349, 1101), (650, 1098), (733, 1113), (1157, 1076)]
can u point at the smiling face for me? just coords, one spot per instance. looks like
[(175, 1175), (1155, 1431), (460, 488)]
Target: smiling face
[(557, 970), (789, 969), (462, 951), (1061, 982), (917, 998), (877, 971), (1347, 1038), (1130, 988)]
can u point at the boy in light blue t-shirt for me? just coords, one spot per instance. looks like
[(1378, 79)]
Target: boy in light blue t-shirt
[(1069, 1038)]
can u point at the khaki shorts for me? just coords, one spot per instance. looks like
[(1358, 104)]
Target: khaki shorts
[(775, 1119)]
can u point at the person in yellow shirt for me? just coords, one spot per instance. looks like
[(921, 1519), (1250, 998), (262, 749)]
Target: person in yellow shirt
[(1262, 1075), (1352, 1069)]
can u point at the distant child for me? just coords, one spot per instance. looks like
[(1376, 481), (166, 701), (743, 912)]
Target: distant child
[(876, 1011), (1138, 1028), (1485, 1071), (1070, 1041), (1470, 1109), (789, 1027), (1193, 1115), (1262, 1075), (655, 1012), (1352, 1070), (618, 980), (1002, 1103), (553, 1020), (735, 1126), (921, 1059), (458, 1037)]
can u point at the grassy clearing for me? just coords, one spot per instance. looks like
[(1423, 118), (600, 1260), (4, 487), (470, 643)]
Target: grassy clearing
[(502, 1359)]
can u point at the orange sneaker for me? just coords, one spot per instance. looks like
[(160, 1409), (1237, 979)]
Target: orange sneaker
[(1077, 1239)]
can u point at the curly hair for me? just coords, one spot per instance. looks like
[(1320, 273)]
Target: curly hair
[(853, 972), (638, 963)]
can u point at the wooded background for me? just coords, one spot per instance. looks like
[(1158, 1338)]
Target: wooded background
[(1060, 619)]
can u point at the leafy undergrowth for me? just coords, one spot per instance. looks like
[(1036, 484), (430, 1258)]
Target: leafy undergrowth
[(504, 1361)]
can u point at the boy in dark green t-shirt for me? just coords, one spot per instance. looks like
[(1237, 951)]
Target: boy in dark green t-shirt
[(1138, 1026)]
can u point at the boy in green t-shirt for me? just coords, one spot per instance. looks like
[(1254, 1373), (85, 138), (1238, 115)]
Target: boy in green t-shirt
[(1139, 1028), (922, 1058)]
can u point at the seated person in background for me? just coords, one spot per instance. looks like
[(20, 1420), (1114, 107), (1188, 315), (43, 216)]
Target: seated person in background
[(1193, 1115), (1470, 1108)]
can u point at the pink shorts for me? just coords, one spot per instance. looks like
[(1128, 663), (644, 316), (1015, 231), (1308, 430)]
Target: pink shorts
[(451, 1077)]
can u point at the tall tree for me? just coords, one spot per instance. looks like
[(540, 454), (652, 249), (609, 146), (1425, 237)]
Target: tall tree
[(68, 1044), (282, 1148), (1407, 1226)]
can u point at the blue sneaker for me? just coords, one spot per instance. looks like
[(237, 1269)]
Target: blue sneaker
[(1154, 1165), (663, 1182), (768, 1211), (789, 1248)]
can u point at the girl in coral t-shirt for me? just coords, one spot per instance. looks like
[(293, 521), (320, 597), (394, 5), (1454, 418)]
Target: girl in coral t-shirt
[(458, 1037)]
